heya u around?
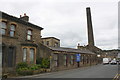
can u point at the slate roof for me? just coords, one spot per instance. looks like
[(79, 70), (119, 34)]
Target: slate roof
[(71, 50), (51, 37), (13, 18)]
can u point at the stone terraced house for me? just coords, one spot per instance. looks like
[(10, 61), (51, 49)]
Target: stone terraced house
[(22, 42)]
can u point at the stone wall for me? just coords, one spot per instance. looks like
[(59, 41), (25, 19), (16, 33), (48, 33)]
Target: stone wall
[(89, 60), (18, 41)]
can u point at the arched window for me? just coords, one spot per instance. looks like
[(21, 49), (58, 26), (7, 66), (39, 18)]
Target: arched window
[(32, 51), (29, 54), (29, 34), (12, 30), (3, 26), (24, 54)]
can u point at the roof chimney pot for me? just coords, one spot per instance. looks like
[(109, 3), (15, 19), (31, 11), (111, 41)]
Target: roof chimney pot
[(20, 16), (25, 17), (25, 14)]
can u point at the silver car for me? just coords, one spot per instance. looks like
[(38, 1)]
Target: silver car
[(113, 62)]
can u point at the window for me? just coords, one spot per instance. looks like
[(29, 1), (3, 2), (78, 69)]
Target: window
[(32, 51), (72, 59), (24, 54), (87, 59), (3, 27), (47, 43), (12, 30), (56, 44), (83, 59), (65, 60), (29, 35), (29, 54), (42, 42), (56, 59)]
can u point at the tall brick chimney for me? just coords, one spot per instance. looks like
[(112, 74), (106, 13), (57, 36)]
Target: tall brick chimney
[(89, 27), (25, 17)]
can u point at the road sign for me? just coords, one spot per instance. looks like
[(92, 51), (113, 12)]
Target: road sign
[(78, 57)]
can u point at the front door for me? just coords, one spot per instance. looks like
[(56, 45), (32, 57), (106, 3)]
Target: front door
[(11, 57), (3, 56)]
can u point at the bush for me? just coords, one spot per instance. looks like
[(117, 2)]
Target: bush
[(44, 62), (34, 67), (22, 65), (24, 71), (39, 65), (39, 61)]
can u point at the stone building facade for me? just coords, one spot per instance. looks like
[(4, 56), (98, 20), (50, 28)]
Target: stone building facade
[(65, 58), (51, 42), (110, 53), (20, 40)]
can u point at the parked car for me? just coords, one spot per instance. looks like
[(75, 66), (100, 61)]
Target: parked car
[(105, 60), (119, 62), (113, 61)]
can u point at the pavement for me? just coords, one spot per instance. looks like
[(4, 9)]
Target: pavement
[(97, 71)]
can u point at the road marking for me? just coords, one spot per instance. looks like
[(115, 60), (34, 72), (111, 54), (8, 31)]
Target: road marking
[(116, 76)]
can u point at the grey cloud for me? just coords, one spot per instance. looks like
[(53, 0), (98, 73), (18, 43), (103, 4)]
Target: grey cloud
[(66, 19)]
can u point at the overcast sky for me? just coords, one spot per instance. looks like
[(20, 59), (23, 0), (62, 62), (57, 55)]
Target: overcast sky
[(66, 19)]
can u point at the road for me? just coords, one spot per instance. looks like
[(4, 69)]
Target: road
[(97, 71)]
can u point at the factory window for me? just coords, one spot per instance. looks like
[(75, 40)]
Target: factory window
[(42, 42), (83, 59), (24, 54), (12, 30), (56, 59), (47, 43), (29, 34), (72, 59), (56, 44), (90, 58), (3, 26), (87, 59), (65, 60)]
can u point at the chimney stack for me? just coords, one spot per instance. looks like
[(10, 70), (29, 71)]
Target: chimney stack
[(89, 27), (25, 17), (20, 16)]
